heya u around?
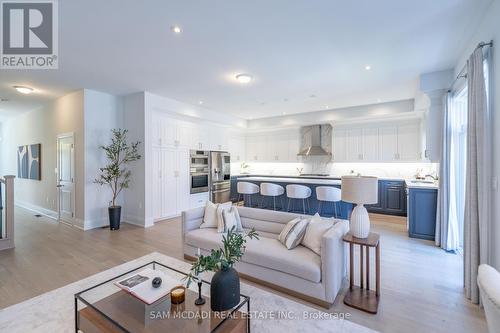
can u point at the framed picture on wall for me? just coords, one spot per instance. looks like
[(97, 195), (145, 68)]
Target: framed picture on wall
[(28, 161)]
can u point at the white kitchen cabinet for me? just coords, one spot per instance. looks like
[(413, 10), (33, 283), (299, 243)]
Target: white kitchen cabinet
[(236, 148), (218, 138), (355, 144), (200, 137), (339, 145), (170, 182), (409, 143), (388, 143), (198, 200), (277, 148), (370, 144), (256, 148), (294, 147)]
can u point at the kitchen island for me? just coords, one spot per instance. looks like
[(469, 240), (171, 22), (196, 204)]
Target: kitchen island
[(343, 209)]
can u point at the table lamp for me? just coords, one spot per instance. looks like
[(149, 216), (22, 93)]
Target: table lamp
[(360, 190)]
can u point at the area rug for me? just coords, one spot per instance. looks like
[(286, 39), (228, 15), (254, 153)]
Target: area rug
[(54, 311)]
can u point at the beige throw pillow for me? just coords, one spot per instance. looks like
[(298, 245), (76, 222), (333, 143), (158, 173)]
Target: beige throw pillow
[(294, 231), (220, 219), (232, 219), (210, 217), (314, 232)]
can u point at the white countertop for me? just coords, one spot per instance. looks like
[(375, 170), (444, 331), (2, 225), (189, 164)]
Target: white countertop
[(314, 177), (294, 180), (411, 184)]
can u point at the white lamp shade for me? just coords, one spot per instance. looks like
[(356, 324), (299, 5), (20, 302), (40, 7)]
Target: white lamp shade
[(360, 189)]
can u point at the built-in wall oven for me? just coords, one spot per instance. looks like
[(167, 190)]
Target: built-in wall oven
[(220, 176), (199, 171)]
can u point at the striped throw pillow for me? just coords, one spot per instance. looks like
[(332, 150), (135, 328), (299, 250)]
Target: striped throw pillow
[(294, 231)]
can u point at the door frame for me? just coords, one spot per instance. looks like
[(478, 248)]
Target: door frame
[(70, 221)]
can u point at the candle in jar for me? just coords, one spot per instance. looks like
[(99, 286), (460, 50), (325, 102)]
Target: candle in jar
[(199, 252), (177, 295)]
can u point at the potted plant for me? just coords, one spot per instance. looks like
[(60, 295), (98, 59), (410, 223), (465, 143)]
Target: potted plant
[(115, 174), (225, 284)]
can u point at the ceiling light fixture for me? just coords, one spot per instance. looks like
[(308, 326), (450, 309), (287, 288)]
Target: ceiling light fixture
[(244, 78), (23, 89), (327, 107), (368, 67), (176, 29), (284, 113), (200, 102)]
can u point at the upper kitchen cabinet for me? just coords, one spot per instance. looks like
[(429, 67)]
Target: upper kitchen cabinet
[(278, 150), (273, 147), (218, 138), (256, 148), (236, 144), (200, 139), (378, 142)]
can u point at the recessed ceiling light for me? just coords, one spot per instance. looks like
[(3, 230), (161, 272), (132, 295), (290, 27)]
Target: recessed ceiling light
[(312, 96), (244, 78), (284, 113), (23, 90), (285, 100), (368, 67), (176, 29), (200, 102), (327, 107)]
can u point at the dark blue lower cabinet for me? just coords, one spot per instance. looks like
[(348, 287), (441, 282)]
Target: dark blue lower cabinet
[(422, 208), (391, 198)]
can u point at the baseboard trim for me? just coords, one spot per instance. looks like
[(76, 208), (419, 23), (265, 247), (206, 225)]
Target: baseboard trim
[(37, 209), (284, 290)]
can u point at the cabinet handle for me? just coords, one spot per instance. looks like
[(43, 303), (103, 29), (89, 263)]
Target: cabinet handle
[(426, 153)]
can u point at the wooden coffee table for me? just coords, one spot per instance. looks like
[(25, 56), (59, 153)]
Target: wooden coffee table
[(361, 297), (105, 308)]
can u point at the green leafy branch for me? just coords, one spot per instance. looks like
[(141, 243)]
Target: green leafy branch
[(233, 248)]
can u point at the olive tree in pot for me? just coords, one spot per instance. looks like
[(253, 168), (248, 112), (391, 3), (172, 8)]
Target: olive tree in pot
[(225, 284), (115, 174)]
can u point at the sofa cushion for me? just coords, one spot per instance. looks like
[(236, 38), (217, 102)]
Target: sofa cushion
[(265, 252)]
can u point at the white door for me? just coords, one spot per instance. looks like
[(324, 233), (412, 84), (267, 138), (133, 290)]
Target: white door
[(370, 144), (168, 182), (409, 142), (66, 177), (388, 143), (355, 144), (339, 145)]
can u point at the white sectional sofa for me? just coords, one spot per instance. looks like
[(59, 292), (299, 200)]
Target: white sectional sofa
[(299, 272)]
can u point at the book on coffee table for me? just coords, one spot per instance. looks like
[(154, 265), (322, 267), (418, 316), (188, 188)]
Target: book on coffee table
[(140, 285)]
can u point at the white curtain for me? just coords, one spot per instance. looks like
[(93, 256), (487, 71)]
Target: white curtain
[(476, 218), (451, 194)]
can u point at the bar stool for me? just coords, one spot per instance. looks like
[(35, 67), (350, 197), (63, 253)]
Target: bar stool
[(271, 190), (300, 192), (248, 189), (328, 194)]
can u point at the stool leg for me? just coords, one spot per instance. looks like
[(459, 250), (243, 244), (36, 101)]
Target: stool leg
[(249, 200), (274, 203), (308, 206), (282, 203), (335, 208), (288, 206), (304, 205), (319, 207)]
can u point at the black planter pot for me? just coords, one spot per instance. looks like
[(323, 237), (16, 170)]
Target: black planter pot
[(225, 290), (115, 213)]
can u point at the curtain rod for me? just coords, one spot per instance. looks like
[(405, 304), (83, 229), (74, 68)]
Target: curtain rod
[(461, 74)]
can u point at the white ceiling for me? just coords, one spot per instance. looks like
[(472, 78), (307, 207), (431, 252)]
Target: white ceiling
[(294, 49)]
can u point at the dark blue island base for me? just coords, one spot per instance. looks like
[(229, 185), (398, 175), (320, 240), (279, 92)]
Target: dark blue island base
[(296, 205)]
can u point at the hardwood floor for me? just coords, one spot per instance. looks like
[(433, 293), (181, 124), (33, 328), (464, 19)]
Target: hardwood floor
[(421, 284)]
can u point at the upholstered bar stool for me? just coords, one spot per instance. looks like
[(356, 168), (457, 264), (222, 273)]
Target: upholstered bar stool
[(247, 189), (298, 192), (271, 190), (328, 194)]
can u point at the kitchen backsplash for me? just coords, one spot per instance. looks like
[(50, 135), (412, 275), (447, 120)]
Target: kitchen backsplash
[(389, 170)]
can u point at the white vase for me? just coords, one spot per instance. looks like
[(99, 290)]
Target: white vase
[(360, 222)]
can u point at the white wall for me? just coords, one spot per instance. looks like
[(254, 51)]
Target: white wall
[(103, 112), (489, 29), (318, 117), (42, 126)]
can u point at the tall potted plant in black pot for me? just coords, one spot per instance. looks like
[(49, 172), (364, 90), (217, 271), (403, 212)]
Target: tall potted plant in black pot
[(115, 174), (225, 284)]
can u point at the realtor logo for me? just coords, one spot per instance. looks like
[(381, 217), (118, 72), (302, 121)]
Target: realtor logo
[(29, 34)]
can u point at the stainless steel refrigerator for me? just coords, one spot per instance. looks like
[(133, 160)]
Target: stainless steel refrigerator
[(220, 176)]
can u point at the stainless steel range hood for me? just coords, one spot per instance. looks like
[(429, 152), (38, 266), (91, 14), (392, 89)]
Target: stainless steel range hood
[(316, 140)]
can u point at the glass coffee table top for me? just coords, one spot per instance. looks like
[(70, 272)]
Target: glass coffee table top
[(107, 308)]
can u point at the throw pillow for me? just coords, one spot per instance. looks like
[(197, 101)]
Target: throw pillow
[(294, 231), (210, 217), (314, 231), (220, 219), (232, 219)]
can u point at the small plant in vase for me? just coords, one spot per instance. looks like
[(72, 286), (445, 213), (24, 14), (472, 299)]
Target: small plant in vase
[(225, 284), (115, 174)]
